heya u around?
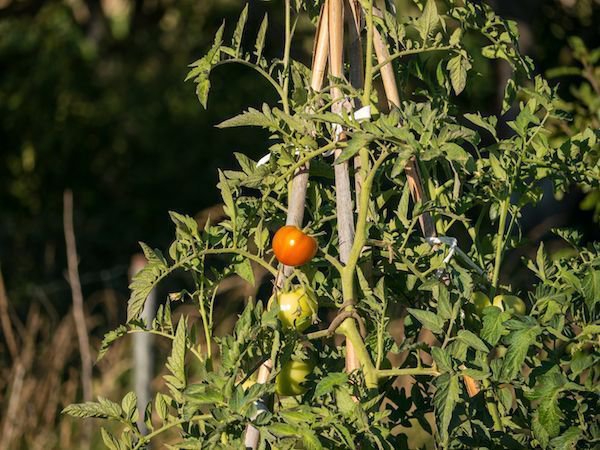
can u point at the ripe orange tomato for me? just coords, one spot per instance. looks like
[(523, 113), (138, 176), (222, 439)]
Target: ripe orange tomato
[(293, 373), (293, 247), (297, 308)]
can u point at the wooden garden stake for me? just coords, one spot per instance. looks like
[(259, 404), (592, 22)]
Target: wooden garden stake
[(345, 214), (297, 199)]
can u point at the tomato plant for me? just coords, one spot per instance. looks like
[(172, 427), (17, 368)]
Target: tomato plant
[(418, 203), (293, 247)]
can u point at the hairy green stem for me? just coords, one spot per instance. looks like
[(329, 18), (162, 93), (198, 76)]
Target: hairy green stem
[(348, 328), (366, 100)]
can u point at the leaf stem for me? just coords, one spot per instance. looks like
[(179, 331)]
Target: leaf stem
[(146, 439), (403, 53), (166, 335), (500, 241), (413, 371)]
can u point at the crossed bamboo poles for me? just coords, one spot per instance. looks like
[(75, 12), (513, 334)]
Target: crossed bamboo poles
[(329, 47)]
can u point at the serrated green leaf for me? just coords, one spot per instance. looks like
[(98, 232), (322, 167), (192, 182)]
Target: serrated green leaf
[(547, 391), (591, 288), (458, 67), (250, 118), (176, 362), (519, 343), (472, 340), (428, 319), (327, 384), (244, 269), (353, 146), (428, 20), (442, 359), (568, 440), (111, 442), (447, 395), (109, 338), (239, 31), (493, 324), (260, 38), (129, 406), (102, 409), (487, 123)]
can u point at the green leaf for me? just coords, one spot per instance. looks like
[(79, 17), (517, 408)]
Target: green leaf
[(487, 123), (111, 442), (493, 324), (358, 141), (245, 271), (510, 93), (568, 440), (428, 319), (472, 341), (455, 152), (203, 89), (458, 67), (176, 362), (109, 338), (591, 288), (227, 196), (447, 395), (161, 406), (428, 20), (102, 409), (442, 359), (129, 406), (519, 342), (547, 391), (239, 30), (329, 383), (250, 118), (444, 308), (145, 280), (260, 38)]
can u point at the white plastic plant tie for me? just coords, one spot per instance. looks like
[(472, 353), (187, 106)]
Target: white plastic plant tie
[(452, 242), (446, 240), (363, 114), (265, 159)]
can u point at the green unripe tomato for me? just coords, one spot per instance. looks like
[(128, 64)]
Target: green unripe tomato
[(289, 381), (297, 309), (480, 302), (510, 302)]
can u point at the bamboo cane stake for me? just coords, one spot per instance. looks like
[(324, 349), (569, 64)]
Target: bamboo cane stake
[(352, 16), (413, 175), (345, 215), (297, 198)]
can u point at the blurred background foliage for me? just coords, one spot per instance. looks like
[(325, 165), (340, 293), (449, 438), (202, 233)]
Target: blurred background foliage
[(92, 99)]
